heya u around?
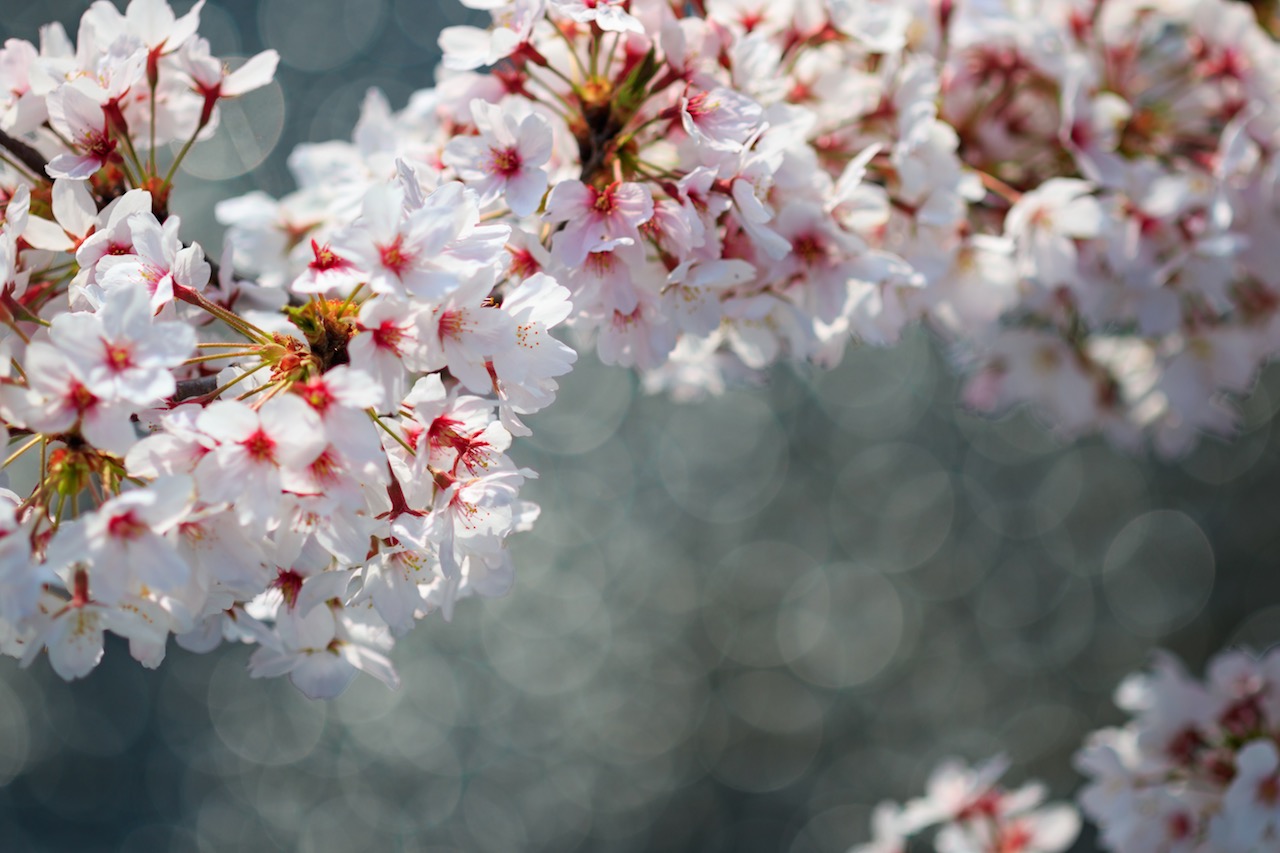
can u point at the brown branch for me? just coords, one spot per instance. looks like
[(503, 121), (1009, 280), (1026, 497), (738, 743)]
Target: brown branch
[(197, 387), (25, 154)]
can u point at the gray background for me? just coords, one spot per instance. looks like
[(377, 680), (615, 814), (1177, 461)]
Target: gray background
[(736, 627)]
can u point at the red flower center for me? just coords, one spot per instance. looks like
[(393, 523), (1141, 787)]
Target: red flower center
[(387, 336), (327, 259), (119, 356), (506, 161), (127, 526), (260, 447), (395, 257)]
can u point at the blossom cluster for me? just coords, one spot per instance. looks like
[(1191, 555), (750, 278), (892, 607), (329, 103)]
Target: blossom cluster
[(310, 467), (1076, 194), (1198, 767), (969, 812), (1197, 770)]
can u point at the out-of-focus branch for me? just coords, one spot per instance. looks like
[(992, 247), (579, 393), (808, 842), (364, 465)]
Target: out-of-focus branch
[(25, 154), (197, 387), (1268, 14)]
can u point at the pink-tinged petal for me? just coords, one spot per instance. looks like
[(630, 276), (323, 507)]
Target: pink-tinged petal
[(75, 643), (55, 43), (18, 209), (120, 271), (267, 662), (323, 675), (464, 48), (464, 154), (151, 20), (254, 74), (149, 239), (382, 212), (43, 234), (109, 428), (206, 71), (487, 117), (79, 335), (1056, 827), (447, 212), (162, 295), (750, 208), (168, 346), (134, 201), (502, 43), (124, 315), (614, 19), (73, 167), (316, 590), (140, 627), (174, 496), (228, 421), (525, 190), (535, 140), (575, 242), (184, 28), (539, 298), (74, 207), (633, 202), (190, 268), (74, 112), (155, 563), (370, 662), (309, 628), (472, 373), (295, 427), (569, 200), (483, 242), (353, 388)]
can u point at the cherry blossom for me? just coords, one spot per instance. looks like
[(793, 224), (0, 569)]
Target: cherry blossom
[(78, 116), (257, 452), (125, 354), (309, 451), (159, 262), (1196, 767), (468, 48), (596, 219), (506, 160), (219, 459), (970, 813), (211, 79)]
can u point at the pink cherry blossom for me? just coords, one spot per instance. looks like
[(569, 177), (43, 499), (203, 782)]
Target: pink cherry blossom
[(78, 116), (596, 218), (506, 161)]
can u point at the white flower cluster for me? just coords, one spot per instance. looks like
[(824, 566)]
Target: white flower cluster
[(1078, 194), (310, 468), (1198, 768), (969, 812)]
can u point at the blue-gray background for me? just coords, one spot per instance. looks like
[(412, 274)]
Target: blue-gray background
[(737, 626)]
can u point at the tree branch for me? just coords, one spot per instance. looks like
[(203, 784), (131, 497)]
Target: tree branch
[(25, 154), (197, 387)]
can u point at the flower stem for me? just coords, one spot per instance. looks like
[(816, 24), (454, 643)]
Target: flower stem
[(36, 439), (377, 420)]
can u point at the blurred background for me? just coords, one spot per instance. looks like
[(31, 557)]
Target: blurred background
[(737, 626)]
